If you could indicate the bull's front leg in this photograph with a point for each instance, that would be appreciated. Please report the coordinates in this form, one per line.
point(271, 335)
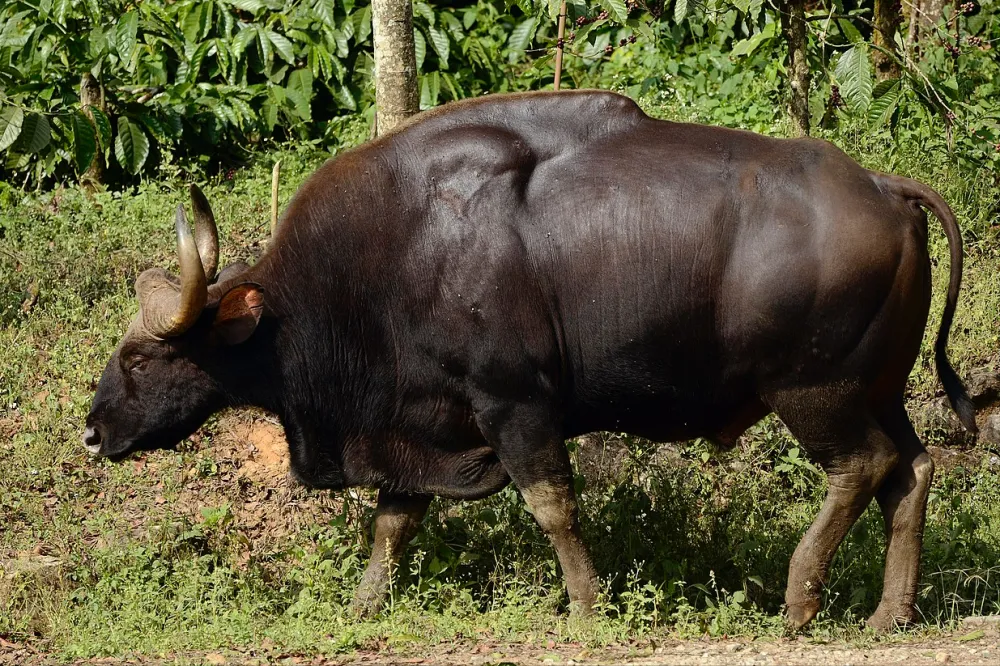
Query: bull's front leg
point(554, 507)
point(535, 456)
point(397, 518)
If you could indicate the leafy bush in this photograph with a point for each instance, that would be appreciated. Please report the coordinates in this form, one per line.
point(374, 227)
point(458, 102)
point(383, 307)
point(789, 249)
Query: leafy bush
point(203, 79)
point(195, 76)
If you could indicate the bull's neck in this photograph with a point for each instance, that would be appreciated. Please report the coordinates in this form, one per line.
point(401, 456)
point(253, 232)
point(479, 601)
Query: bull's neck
point(326, 364)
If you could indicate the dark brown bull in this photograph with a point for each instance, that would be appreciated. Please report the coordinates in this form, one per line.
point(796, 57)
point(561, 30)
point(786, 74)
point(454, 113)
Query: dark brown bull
point(440, 309)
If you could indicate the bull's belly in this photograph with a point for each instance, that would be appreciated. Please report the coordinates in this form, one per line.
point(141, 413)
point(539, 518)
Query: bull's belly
point(721, 420)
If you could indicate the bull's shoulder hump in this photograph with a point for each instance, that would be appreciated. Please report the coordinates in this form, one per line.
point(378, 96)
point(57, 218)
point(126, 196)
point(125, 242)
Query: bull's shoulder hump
point(572, 106)
point(544, 120)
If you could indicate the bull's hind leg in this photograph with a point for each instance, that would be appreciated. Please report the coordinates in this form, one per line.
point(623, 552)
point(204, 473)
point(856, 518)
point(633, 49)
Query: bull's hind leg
point(397, 518)
point(857, 455)
point(535, 456)
point(903, 500)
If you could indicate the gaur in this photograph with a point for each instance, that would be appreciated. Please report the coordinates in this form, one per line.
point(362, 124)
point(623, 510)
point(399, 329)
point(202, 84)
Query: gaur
point(439, 309)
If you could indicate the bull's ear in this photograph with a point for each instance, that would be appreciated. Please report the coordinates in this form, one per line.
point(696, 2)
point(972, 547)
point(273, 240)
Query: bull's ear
point(239, 313)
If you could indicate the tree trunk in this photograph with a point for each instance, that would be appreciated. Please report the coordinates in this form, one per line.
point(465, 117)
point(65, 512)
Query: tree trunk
point(92, 95)
point(793, 28)
point(396, 95)
point(923, 15)
point(887, 21)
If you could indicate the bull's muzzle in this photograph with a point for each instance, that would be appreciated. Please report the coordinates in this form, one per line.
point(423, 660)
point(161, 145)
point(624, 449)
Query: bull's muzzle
point(93, 439)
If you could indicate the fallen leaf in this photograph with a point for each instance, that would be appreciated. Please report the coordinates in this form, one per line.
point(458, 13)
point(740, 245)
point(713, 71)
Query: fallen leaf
point(972, 636)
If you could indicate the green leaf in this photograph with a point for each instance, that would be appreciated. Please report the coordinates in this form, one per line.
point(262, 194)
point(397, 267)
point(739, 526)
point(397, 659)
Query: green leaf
point(251, 6)
point(197, 57)
point(849, 31)
point(886, 100)
point(525, 6)
point(430, 89)
point(244, 110)
point(882, 87)
point(470, 17)
point(520, 37)
point(855, 77)
point(84, 140)
point(419, 47)
point(301, 80)
point(125, 35)
point(363, 25)
point(241, 41)
point(554, 6)
point(265, 46)
point(747, 46)
point(196, 22)
point(282, 46)
point(221, 56)
point(103, 126)
point(226, 115)
point(642, 28)
point(10, 125)
point(171, 123)
point(270, 115)
point(35, 134)
point(680, 10)
point(301, 103)
point(60, 9)
point(343, 48)
point(424, 10)
point(439, 40)
point(154, 126)
point(454, 26)
point(131, 146)
point(345, 97)
point(616, 8)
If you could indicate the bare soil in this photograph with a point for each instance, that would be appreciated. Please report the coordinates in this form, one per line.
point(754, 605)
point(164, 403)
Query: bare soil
point(977, 643)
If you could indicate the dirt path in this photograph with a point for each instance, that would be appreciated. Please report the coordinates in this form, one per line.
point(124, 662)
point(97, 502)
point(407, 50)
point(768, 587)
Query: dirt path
point(976, 644)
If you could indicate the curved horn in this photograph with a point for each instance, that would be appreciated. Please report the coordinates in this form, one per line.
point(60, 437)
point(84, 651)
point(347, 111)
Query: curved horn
point(205, 232)
point(173, 313)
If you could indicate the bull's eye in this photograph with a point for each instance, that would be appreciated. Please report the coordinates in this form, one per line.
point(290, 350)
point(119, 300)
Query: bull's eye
point(136, 363)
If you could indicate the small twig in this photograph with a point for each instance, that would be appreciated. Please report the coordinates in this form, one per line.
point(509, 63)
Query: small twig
point(560, 36)
point(852, 17)
point(274, 196)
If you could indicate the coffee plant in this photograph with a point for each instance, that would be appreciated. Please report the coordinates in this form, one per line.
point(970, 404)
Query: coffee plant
point(204, 79)
point(198, 83)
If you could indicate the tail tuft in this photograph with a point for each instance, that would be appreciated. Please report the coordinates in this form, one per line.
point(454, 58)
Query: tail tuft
point(957, 395)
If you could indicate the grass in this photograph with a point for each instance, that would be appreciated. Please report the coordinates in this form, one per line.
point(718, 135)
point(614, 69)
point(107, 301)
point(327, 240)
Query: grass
point(179, 551)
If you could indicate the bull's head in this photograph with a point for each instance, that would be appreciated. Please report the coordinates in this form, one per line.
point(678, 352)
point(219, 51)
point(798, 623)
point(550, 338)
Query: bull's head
point(168, 374)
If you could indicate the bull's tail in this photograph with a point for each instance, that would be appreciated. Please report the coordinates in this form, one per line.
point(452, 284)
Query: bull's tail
point(953, 386)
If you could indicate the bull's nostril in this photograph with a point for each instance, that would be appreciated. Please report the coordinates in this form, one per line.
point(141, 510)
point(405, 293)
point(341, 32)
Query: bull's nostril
point(92, 440)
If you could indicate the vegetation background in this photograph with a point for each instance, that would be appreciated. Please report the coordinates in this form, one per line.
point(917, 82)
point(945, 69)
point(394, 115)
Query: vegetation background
point(108, 109)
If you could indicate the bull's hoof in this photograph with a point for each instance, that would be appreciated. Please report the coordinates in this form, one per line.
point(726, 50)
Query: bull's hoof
point(581, 610)
point(365, 607)
point(886, 618)
point(801, 613)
